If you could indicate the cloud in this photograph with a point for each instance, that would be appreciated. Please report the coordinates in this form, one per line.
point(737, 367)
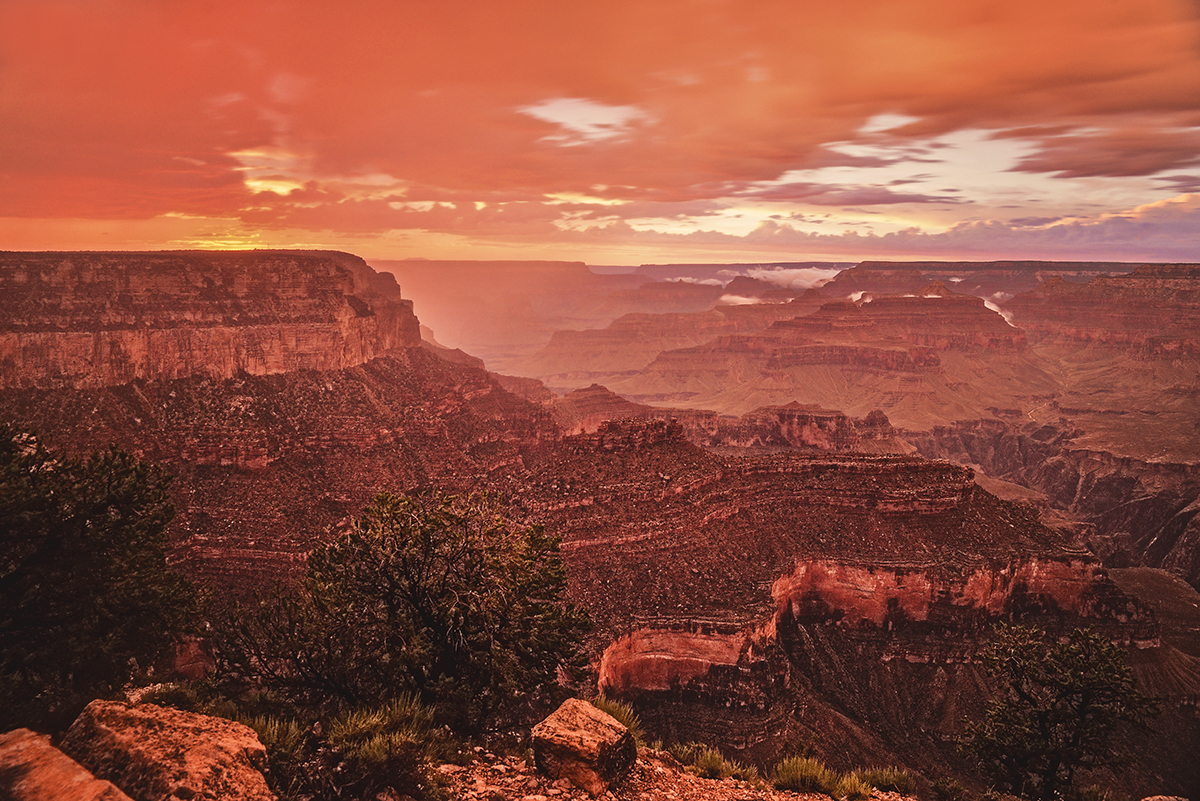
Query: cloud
point(834, 195)
point(584, 121)
point(295, 115)
point(1123, 151)
point(794, 278)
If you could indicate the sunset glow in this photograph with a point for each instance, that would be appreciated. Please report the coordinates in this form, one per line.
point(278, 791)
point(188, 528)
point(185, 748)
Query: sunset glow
point(619, 132)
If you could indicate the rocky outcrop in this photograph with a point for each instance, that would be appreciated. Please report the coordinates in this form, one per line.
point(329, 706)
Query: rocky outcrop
point(994, 280)
point(87, 320)
point(31, 769)
point(584, 745)
point(921, 360)
point(748, 600)
point(1153, 312)
point(155, 752)
point(265, 465)
point(1144, 512)
point(791, 426)
point(573, 359)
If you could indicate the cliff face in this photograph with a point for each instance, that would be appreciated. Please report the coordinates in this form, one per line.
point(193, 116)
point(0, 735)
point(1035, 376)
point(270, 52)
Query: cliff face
point(756, 601)
point(921, 360)
point(1154, 311)
point(104, 319)
point(1143, 512)
point(282, 389)
point(573, 359)
point(770, 427)
point(739, 600)
point(997, 280)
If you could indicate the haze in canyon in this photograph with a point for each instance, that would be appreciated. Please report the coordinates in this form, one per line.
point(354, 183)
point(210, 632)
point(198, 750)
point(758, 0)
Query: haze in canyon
point(826, 338)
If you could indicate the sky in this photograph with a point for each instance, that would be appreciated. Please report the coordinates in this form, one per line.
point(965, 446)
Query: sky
point(607, 131)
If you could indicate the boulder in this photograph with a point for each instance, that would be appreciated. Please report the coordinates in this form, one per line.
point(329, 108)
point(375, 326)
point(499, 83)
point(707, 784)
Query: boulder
point(33, 770)
point(154, 753)
point(589, 748)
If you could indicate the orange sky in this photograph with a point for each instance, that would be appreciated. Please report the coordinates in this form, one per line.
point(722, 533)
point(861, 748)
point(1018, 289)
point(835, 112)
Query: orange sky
point(610, 131)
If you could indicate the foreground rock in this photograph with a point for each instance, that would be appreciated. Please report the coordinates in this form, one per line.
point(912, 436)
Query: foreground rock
point(655, 775)
point(585, 746)
point(155, 753)
point(33, 770)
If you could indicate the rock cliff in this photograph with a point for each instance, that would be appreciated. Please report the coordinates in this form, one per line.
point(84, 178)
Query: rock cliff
point(87, 320)
point(573, 359)
point(1154, 311)
point(269, 447)
point(793, 425)
point(995, 280)
point(755, 600)
point(1143, 512)
point(745, 600)
point(921, 360)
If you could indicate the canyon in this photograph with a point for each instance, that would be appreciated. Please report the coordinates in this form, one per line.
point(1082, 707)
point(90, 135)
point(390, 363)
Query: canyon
point(820, 568)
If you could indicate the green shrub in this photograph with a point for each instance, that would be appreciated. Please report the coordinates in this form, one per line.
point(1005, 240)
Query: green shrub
point(891, 780)
point(709, 764)
point(86, 598)
point(387, 746)
point(435, 595)
point(851, 788)
point(624, 714)
point(804, 775)
point(945, 789)
point(747, 773)
point(282, 737)
point(685, 752)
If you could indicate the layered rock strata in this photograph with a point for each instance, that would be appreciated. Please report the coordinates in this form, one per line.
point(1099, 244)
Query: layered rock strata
point(772, 427)
point(88, 320)
point(1153, 311)
point(921, 360)
point(742, 600)
point(752, 601)
point(573, 359)
point(994, 280)
point(267, 458)
point(1144, 512)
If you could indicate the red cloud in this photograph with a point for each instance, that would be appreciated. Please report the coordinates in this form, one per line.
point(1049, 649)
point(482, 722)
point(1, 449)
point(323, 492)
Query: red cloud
point(129, 109)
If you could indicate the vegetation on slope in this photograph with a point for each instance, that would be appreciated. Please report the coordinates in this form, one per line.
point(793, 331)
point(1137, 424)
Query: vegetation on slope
point(87, 603)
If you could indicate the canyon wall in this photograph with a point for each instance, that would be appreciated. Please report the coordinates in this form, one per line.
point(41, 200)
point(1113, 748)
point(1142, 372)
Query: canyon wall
point(87, 320)
point(1153, 311)
point(791, 426)
point(1143, 512)
point(752, 601)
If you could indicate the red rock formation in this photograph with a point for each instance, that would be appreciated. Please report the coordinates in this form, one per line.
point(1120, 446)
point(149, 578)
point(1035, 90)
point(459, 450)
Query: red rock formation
point(1144, 512)
point(31, 769)
point(104, 319)
point(585, 746)
point(921, 360)
point(791, 426)
point(1153, 311)
point(678, 549)
point(997, 280)
point(573, 359)
point(154, 752)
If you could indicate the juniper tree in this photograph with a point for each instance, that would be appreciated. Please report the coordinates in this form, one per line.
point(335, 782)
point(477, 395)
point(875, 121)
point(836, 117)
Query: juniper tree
point(1056, 708)
point(432, 595)
point(86, 599)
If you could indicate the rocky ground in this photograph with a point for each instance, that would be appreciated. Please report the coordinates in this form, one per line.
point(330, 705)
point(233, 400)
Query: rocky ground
point(655, 775)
